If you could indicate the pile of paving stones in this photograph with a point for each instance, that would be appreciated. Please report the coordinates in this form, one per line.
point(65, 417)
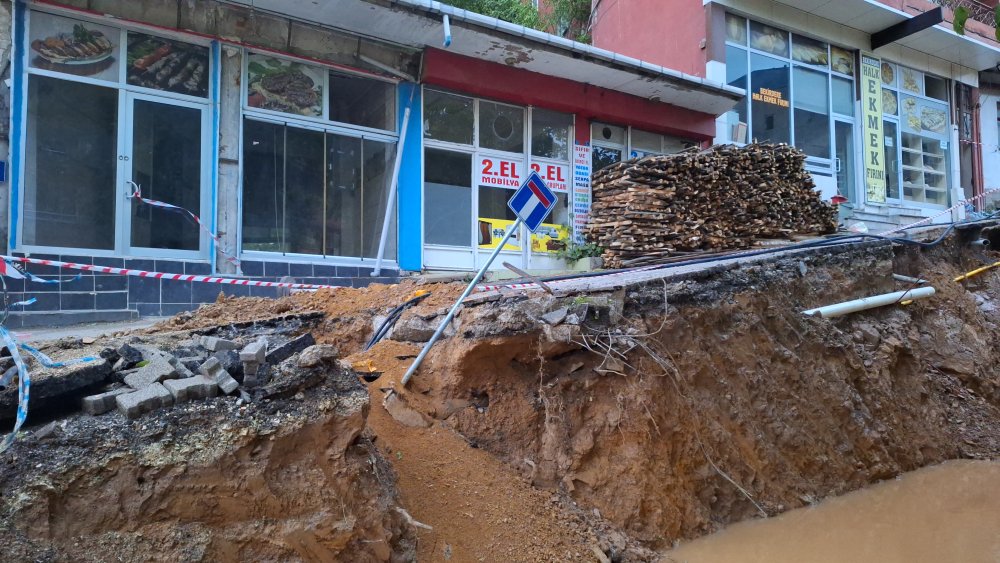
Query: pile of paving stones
point(147, 377)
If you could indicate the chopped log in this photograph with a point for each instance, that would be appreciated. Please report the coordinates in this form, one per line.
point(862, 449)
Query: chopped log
point(720, 198)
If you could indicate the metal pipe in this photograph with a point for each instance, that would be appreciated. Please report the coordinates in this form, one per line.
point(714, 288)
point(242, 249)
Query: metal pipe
point(840, 309)
point(472, 285)
point(980, 242)
point(908, 279)
point(393, 188)
point(447, 30)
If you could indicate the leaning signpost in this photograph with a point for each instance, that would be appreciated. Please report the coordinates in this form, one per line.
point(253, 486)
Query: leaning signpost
point(532, 203)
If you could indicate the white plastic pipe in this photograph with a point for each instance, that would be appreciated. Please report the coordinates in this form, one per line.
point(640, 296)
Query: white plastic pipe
point(846, 307)
point(446, 21)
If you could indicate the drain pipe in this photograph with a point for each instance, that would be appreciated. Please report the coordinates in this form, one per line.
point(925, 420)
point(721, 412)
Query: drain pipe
point(908, 279)
point(980, 242)
point(872, 302)
point(447, 31)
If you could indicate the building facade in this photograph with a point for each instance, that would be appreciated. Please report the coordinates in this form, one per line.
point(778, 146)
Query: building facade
point(882, 96)
point(327, 142)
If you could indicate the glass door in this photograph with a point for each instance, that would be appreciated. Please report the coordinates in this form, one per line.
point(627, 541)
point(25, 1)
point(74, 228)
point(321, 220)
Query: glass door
point(843, 147)
point(166, 157)
point(498, 177)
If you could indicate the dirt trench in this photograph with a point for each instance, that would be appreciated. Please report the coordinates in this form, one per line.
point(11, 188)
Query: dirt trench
point(725, 403)
point(293, 479)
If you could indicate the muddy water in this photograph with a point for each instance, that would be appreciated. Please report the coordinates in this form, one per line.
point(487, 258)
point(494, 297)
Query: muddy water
point(948, 512)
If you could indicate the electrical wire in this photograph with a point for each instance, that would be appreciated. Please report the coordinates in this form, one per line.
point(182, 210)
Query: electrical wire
point(394, 316)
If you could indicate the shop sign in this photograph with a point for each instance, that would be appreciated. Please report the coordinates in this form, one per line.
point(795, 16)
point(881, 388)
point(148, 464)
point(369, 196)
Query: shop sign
point(874, 152)
point(556, 176)
point(500, 172)
point(581, 190)
point(769, 96)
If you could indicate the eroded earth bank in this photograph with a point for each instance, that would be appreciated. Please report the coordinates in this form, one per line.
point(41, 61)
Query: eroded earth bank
point(588, 426)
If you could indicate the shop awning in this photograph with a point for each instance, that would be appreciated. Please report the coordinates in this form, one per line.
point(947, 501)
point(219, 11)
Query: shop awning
point(871, 16)
point(418, 23)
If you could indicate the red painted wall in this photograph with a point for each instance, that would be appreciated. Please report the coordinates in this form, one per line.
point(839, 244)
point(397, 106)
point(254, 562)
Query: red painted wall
point(517, 86)
point(664, 32)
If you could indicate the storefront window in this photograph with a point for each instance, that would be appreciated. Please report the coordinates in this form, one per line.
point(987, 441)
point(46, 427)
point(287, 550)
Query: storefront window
point(313, 192)
point(551, 134)
point(362, 101)
point(795, 86)
point(644, 143)
point(448, 117)
point(447, 197)
point(918, 173)
point(736, 75)
point(843, 96)
point(68, 200)
point(501, 127)
point(770, 106)
point(88, 146)
point(812, 114)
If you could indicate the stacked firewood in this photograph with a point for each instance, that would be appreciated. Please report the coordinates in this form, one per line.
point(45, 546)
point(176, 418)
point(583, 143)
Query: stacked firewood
point(720, 198)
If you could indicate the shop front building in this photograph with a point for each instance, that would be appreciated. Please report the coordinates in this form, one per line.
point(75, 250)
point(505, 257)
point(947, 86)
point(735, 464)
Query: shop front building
point(878, 113)
point(267, 142)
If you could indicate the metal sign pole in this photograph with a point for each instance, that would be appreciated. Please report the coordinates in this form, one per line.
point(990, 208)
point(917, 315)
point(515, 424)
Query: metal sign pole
point(447, 319)
point(393, 188)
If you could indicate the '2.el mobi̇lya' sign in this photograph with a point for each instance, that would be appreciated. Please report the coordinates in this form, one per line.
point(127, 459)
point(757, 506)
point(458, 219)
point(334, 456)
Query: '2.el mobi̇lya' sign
point(871, 104)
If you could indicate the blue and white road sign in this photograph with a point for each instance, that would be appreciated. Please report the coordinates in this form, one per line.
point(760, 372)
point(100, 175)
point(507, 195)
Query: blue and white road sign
point(532, 202)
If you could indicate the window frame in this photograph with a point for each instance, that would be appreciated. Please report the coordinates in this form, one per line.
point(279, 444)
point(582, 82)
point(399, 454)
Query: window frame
point(323, 119)
point(122, 246)
point(821, 165)
point(896, 88)
point(476, 150)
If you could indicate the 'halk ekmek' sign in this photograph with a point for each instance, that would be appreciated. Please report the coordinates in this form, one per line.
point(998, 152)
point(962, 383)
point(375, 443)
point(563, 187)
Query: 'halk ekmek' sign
point(871, 105)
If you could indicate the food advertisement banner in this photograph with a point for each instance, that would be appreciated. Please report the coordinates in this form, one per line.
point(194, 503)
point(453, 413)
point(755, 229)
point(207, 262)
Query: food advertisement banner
point(924, 117)
point(871, 103)
point(285, 86)
point(556, 176)
point(581, 190)
point(491, 232)
point(74, 47)
point(162, 64)
point(549, 238)
point(500, 172)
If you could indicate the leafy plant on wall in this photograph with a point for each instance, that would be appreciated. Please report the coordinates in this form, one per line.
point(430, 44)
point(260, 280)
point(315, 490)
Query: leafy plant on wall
point(958, 23)
point(568, 18)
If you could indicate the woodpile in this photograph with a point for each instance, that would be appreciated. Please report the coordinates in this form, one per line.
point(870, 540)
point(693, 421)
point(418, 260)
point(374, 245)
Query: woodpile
point(720, 198)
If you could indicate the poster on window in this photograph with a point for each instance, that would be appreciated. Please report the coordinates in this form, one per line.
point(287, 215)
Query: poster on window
point(871, 102)
point(73, 47)
point(555, 176)
point(286, 86)
point(550, 238)
point(162, 64)
point(491, 232)
point(581, 190)
point(500, 172)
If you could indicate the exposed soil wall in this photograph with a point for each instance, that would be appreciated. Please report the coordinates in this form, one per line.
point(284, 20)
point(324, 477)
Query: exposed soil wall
point(287, 479)
point(728, 386)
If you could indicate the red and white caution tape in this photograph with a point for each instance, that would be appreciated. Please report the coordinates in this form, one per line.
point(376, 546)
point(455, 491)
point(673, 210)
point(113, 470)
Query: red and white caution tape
point(160, 275)
point(945, 212)
point(137, 194)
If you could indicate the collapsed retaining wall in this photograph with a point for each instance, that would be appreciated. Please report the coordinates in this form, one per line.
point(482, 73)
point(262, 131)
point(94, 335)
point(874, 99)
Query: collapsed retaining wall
point(679, 406)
